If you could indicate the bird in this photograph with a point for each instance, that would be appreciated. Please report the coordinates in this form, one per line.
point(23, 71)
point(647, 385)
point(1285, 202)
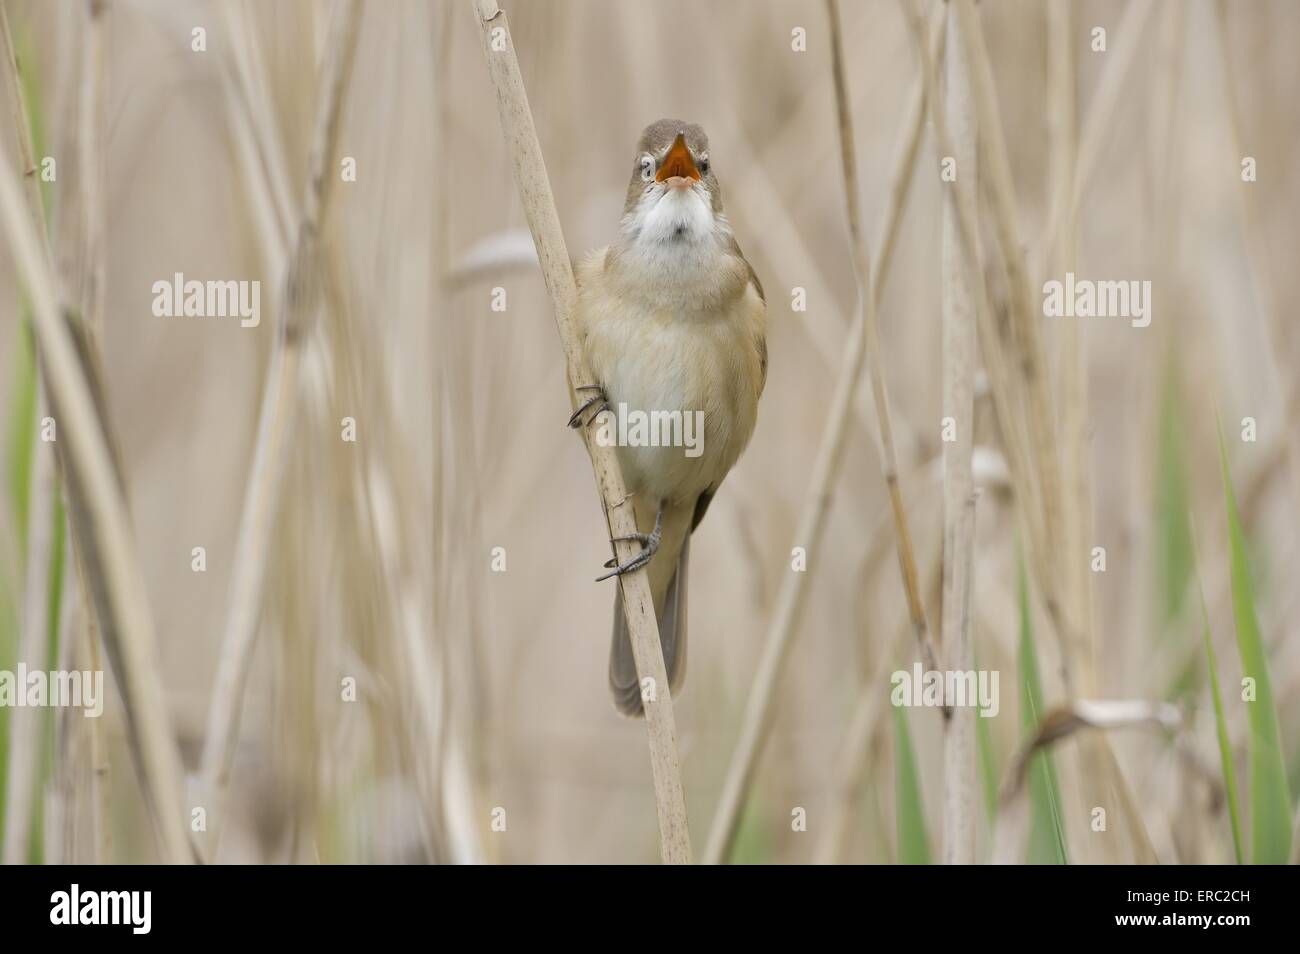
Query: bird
point(671, 318)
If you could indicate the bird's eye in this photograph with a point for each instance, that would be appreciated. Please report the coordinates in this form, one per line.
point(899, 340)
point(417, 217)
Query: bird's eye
point(647, 167)
point(703, 164)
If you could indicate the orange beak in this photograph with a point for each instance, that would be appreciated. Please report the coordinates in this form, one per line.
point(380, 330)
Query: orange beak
point(678, 162)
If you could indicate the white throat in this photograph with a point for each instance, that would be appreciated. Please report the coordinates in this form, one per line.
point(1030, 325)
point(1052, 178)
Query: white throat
point(673, 245)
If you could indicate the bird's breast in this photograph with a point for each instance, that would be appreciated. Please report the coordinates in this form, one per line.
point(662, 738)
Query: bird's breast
point(681, 385)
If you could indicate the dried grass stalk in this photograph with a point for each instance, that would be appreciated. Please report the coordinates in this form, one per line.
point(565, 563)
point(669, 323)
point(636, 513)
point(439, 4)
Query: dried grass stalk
point(93, 195)
point(959, 357)
point(96, 506)
point(870, 705)
point(760, 707)
point(544, 222)
point(301, 302)
point(1010, 378)
point(1030, 348)
point(868, 302)
point(1095, 134)
point(1281, 336)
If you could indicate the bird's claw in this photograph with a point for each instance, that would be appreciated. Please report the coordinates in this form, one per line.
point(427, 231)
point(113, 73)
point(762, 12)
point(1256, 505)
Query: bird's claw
point(598, 398)
point(648, 540)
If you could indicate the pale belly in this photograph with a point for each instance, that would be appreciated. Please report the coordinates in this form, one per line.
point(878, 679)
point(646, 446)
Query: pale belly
point(683, 392)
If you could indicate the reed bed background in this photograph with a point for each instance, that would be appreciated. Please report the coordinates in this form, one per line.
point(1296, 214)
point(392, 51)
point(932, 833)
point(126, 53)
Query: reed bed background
point(444, 559)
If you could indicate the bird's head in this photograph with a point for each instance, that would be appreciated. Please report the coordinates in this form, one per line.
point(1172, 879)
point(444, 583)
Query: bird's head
point(673, 198)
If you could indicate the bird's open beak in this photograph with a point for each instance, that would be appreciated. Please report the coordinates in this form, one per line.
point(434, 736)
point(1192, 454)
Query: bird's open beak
point(678, 165)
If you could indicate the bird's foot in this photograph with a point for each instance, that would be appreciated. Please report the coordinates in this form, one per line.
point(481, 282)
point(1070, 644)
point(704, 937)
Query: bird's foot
point(598, 398)
point(650, 541)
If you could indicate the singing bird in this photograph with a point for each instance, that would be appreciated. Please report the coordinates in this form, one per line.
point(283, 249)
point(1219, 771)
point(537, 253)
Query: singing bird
point(673, 319)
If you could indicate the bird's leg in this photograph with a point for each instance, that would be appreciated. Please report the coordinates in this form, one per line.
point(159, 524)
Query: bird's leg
point(597, 398)
point(649, 540)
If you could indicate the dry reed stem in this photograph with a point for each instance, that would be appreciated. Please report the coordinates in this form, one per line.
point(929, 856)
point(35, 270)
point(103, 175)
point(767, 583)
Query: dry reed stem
point(93, 123)
point(116, 580)
point(385, 566)
point(302, 295)
point(1027, 460)
point(844, 118)
point(273, 235)
point(1100, 769)
point(82, 260)
point(959, 357)
point(61, 804)
point(1071, 356)
point(760, 707)
point(369, 572)
point(101, 766)
point(93, 193)
point(544, 222)
point(96, 507)
point(1005, 373)
point(868, 300)
point(1094, 135)
point(959, 755)
point(996, 362)
point(80, 223)
point(1061, 255)
point(459, 776)
point(903, 173)
point(1281, 338)
point(1031, 354)
point(256, 102)
point(1021, 454)
point(1071, 368)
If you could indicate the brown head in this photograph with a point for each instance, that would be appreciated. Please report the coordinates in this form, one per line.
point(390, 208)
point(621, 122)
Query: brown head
point(675, 246)
point(672, 155)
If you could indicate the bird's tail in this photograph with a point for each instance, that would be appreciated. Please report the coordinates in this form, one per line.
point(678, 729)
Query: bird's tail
point(623, 683)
